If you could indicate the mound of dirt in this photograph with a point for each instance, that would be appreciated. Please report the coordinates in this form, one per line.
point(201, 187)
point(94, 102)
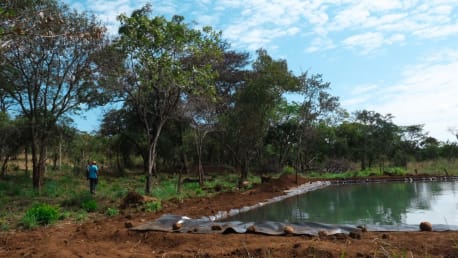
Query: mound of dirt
point(133, 199)
point(284, 182)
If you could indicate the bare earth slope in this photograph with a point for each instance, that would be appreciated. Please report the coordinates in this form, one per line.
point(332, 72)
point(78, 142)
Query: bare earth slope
point(109, 237)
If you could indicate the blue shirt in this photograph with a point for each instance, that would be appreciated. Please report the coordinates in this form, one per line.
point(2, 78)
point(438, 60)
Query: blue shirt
point(93, 171)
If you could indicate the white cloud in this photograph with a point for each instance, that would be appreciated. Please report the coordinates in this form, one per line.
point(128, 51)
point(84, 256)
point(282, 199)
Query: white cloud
point(426, 94)
point(377, 21)
point(368, 41)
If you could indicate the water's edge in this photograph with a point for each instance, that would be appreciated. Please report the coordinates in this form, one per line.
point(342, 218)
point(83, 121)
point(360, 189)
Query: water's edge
point(301, 189)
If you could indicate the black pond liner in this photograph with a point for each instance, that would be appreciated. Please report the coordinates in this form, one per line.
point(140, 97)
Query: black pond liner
point(212, 224)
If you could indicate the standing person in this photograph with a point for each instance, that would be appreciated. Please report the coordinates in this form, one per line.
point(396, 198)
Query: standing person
point(93, 176)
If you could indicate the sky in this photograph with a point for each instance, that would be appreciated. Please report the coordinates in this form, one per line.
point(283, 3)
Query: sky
point(396, 57)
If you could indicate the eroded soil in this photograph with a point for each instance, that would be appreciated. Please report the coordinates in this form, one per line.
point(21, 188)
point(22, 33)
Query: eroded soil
point(108, 236)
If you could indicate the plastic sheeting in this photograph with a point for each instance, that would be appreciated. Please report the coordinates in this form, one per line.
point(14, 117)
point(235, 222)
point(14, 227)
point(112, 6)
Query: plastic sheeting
point(182, 224)
point(176, 223)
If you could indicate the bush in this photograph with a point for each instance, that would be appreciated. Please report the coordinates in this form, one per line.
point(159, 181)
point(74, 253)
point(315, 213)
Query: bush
point(89, 205)
point(40, 214)
point(112, 212)
point(152, 206)
point(288, 170)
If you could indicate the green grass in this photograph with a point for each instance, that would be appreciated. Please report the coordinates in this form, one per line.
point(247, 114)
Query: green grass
point(110, 212)
point(70, 194)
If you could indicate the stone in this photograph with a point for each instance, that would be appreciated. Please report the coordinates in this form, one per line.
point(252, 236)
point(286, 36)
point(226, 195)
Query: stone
point(177, 225)
point(288, 230)
point(426, 226)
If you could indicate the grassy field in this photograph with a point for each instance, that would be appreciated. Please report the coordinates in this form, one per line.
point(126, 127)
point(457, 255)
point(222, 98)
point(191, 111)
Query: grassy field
point(69, 195)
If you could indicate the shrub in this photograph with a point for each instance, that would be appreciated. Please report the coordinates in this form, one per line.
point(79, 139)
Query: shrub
point(152, 206)
point(112, 212)
point(40, 214)
point(288, 170)
point(89, 205)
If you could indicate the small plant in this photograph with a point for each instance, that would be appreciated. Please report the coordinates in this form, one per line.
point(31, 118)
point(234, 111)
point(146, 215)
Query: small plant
point(152, 206)
point(112, 212)
point(288, 170)
point(40, 214)
point(199, 192)
point(89, 205)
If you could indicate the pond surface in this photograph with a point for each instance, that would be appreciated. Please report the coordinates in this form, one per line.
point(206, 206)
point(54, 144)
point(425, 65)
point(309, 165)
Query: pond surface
point(395, 204)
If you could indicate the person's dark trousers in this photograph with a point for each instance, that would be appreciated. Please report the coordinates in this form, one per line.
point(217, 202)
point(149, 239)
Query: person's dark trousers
point(92, 184)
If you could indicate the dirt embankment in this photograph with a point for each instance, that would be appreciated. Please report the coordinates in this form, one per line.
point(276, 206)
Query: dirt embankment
point(109, 237)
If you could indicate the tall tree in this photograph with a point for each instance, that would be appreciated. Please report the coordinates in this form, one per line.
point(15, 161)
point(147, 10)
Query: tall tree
point(379, 136)
point(248, 123)
point(52, 72)
point(157, 76)
point(317, 107)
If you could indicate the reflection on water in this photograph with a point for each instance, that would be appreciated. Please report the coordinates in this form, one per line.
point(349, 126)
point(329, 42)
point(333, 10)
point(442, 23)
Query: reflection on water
point(370, 204)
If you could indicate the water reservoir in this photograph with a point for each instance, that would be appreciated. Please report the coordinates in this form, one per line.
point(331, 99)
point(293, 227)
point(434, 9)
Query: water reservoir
point(395, 205)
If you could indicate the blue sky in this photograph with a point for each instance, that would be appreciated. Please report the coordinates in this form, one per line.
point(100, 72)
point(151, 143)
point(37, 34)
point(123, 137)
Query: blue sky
point(389, 56)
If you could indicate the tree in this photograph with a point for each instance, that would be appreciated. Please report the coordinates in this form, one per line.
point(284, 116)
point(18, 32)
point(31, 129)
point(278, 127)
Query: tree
point(379, 136)
point(317, 107)
point(157, 77)
point(248, 122)
point(52, 72)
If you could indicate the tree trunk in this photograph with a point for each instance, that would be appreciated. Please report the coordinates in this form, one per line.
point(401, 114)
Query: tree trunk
point(4, 166)
point(184, 167)
point(149, 173)
point(26, 154)
point(200, 169)
point(60, 154)
point(152, 155)
point(244, 172)
point(38, 162)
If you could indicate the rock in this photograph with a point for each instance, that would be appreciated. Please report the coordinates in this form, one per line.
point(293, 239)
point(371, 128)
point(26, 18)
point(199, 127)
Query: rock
point(288, 230)
point(426, 226)
point(177, 225)
point(251, 229)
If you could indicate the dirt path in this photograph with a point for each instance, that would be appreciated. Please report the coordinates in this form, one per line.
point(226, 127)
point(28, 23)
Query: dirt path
point(109, 237)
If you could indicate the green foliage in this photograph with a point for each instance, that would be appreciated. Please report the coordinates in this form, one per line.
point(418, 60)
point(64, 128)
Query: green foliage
point(288, 170)
point(89, 205)
point(152, 206)
point(166, 189)
point(40, 214)
point(111, 212)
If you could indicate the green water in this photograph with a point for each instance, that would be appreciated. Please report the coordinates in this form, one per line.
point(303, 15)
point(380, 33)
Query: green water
point(366, 204)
